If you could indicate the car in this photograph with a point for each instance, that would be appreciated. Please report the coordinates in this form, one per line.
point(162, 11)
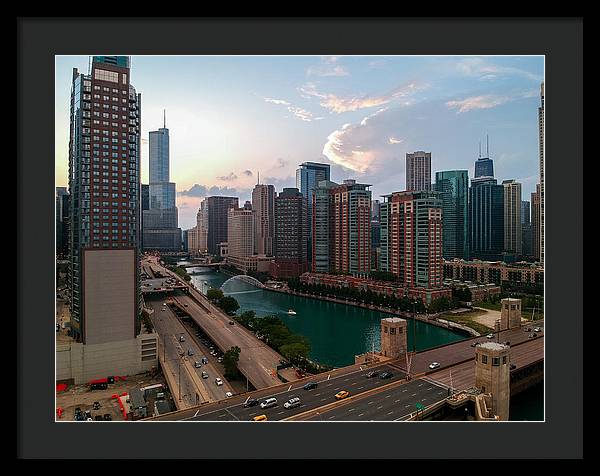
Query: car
point(269, 402)
point(434, 365)
point(204, 375)
point(537, 329)
point(197, 364)
point(251, 402)
point(190, 352)
point(204, 360)
point(181, 338)
point(163, 309)
point(310, 385)
point(231, 323)
point(220, 359)
point(107, 417)
point(89, 419)
point(341, 395)
point(218, 381)
point(96, 405)
point(513, 366)
point(474, 344)
point(490, 336)
point(292, 403)
point(185, 305)
point(372, 373)
point(228, 394)
point(386, 375)
point(527, 329)
point(507, 342)
point(531, 336)
point(260, 418)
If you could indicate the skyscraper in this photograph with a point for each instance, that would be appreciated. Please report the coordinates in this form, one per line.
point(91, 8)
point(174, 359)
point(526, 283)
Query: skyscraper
point(512, 220)
point(62, 222)
point(342, 227)
point(307, 177)
point(263, 203)
point(484, 166)
point(289, 246)
point(161, 231)
point(217, 208)
point(453, 189)
point(240, 235)
point(486, 219)
point(535, 222)
point(104, 183)
point(526, 229)
point(202, 226)
point(418, 171)
point(411, 238)
point(541, 129)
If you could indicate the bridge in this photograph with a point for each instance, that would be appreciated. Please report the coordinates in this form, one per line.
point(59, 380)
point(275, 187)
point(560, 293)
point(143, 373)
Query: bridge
point(246, 279)
point(412, 387)
point(201, 265)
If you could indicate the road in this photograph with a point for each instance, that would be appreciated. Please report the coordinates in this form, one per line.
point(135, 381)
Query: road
point(170, 329)
point(354, 382)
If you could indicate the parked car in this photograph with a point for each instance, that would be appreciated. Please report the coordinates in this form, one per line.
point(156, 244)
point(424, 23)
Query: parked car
point(204, 360)
point(197, 364)
point(292, 403)
point(386, 375)
point(372, 373)
point(310, 385)
point(228, 394)
point(434, 365)
point(269, 402)
point(190, 352)
point(341, 395)
point(218, 381)
point(251, 402)
point(204, 375)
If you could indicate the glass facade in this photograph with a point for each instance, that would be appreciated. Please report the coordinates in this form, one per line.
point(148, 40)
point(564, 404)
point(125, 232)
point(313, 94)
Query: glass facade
point(453, 188)
point(486, 219)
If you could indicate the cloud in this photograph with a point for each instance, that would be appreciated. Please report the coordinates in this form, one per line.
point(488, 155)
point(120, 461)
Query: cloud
point(247, 173)
point(337, 104)
point(228, 178)
point(486, 101)
point(281, 163)
point(393, 140)
point(205, 191)
point(298, 112)
point(329, 67)
point(481, 69)
point(277, 101)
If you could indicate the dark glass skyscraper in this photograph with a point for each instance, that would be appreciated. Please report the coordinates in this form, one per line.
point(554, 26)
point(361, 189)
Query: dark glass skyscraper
point(217, 220)
point(289, 245)
point(486, 219)
point(453, 188)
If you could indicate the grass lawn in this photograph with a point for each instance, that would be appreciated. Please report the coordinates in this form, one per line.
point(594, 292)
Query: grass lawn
point(466, 318)
point(525, 313)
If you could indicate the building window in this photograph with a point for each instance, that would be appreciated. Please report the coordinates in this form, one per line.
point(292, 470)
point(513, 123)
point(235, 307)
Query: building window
point(104, 75)
point(484, 359)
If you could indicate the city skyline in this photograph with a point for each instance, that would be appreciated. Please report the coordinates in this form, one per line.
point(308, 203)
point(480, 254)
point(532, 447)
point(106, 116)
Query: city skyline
point(231, 117)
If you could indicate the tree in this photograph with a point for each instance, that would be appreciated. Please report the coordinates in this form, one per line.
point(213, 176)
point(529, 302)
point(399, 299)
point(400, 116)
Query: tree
point(228, 304)
point(296, 352)
point(230, 361)
point(214, 295)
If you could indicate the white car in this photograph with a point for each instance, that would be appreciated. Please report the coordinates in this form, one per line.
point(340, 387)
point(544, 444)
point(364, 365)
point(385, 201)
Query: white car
point(434, 365)
point(269, 402)
point(292, 403)
point(218, 381)
point(490, 336)
point(228, 394)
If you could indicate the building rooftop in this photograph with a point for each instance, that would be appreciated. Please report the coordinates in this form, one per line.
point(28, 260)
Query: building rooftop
point(493, 346)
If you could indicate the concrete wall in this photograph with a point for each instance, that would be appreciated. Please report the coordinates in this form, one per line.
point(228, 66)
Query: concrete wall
point(84, 362)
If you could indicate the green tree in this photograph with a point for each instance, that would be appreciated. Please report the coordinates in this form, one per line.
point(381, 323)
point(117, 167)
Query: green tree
point(228, 304)
point(295, 352)
point(214, 295)
point(230, 361)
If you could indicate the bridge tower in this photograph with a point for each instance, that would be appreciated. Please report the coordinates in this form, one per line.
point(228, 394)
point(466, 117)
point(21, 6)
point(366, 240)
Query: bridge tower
point(393, 337)
point(492, 375)
point(510, 315)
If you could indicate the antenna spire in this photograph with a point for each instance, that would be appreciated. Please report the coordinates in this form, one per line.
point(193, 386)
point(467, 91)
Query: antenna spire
point(258, 180)
point(487, 141)
point(480, 149)
point(165, 118)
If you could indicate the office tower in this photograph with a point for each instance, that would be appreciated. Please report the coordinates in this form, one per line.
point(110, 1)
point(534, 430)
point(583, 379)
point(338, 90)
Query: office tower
point(375, 209)
point(535, 222)
point(161, 231)
point(191, 241)
point(263, 203)
point(541, 135)
point(145, 196)
point(217, 208)
point(486, 219)
point(62, 222)
point(418, 171)
point(247, 205)
point(411, 238)
point(484, 166)
point(453, 189)
point(104, 183)
point(289, 245)
point(375, 233)
point(307, 177)
point(526, 229)
point(512, 220)
point(202, 227)
point(342, 227)
point(240, 232)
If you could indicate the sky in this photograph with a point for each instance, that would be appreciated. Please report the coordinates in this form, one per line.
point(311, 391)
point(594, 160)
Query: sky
point(231, 118)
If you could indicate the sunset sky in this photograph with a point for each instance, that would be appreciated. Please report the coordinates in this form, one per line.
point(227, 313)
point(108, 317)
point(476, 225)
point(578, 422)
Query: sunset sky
point(232, 117)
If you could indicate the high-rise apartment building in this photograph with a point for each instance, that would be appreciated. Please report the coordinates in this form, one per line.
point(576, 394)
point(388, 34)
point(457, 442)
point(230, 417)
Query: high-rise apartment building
point(513, 236)
point(541, 134)
point(217, 208)
point(263, 204)
point(526, 236)
point(411, 238)
point(62, 222)
point(418, 171)
point(308, 175)
point(536, 228)
point(104, 183)
point(202, 227)
point(161, 231)
point(342, 227)
point(486, 219)
point(453, 189)
point(289, 246)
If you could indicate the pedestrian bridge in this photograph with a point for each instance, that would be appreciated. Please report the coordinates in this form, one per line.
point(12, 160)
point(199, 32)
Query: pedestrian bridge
point(246, 279)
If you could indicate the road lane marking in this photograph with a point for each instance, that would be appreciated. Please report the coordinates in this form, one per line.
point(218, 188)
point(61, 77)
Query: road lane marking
point(333, 416)
point(360, 414)
point(390, 413)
